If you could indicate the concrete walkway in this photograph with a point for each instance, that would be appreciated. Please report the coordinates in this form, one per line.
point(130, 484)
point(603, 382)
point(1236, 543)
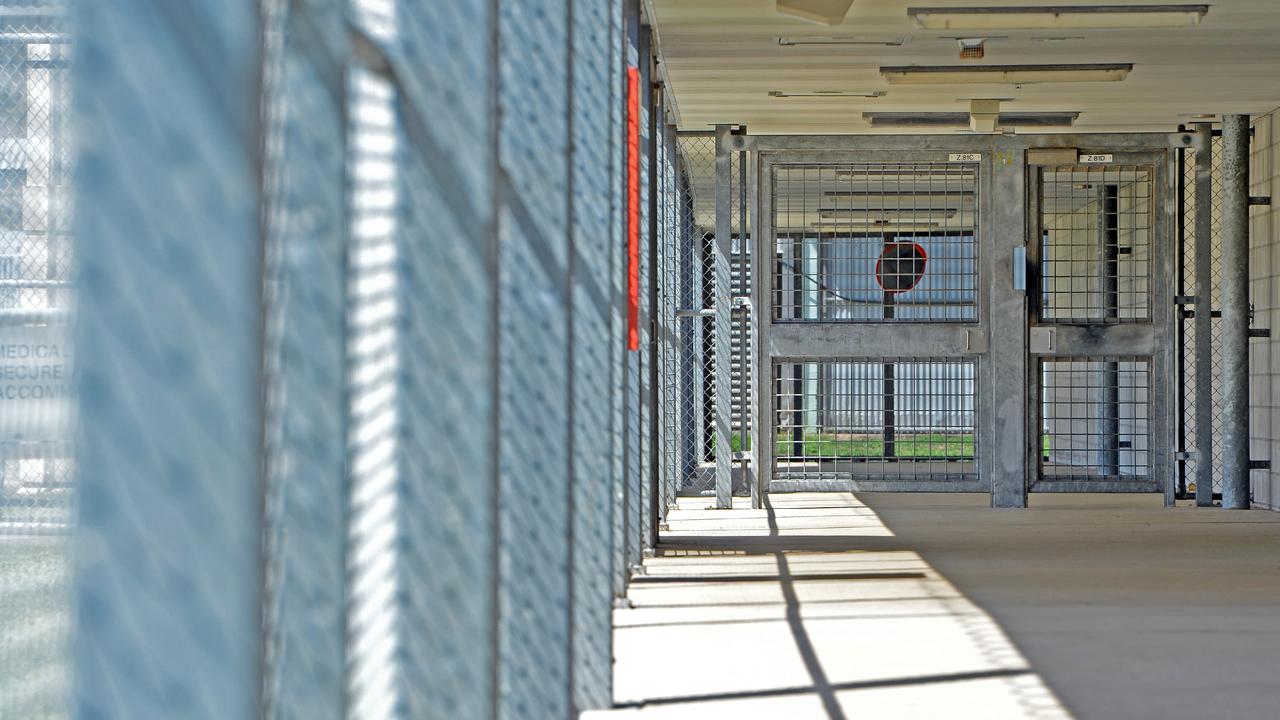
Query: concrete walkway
point(826, 607)
point(1126, 608)
point(811, 609)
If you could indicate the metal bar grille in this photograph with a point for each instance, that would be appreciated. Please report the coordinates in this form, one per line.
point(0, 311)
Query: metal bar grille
point(1096, 226)
point(1096, 419)
point(855, 240)
point(876, 420)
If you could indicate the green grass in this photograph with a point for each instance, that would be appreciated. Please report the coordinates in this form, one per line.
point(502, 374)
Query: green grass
point(940, 446)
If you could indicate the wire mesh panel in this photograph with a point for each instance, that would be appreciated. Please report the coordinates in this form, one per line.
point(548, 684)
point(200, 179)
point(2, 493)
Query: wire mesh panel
point(878, 242)
point(37, 470)
point(1097, 225)
point(879, 420)
point(1096, 419)
point(1189, 337)
point(689, 258)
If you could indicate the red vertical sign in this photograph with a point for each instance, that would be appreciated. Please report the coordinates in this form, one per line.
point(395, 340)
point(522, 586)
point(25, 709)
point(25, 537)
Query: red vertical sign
point(633, 208)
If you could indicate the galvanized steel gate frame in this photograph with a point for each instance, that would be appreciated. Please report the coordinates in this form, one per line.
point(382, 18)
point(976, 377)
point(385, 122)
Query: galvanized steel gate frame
point(1000, 341)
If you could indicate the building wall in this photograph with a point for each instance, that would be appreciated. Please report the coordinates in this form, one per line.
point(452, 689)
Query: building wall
point(1264, 293)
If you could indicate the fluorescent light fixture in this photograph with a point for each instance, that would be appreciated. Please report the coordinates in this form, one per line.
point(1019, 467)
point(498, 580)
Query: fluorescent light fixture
point(837, 40)
point(873, 229)
point(888, 195)
point(890, 216)
point(1005, 74)
point(828, 94)
point(931, 175)
point(1053, 17)
point(829, 12)
point(961, 119)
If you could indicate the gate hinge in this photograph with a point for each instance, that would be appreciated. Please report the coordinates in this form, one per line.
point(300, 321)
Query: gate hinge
point(740, 455)
point(1259, 464)
point(1259, 199)
point(1184, 299)
point(1259, 332)
point(1184, 455)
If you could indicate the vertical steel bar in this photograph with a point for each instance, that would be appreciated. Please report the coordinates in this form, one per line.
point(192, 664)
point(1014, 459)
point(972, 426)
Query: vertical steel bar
point(1109, 210)
point(762, 278)
point(1235, 311)
point(754, 318)
point(723, 322)
point(743, 318)
point(1204, 316)
point(797, 369)
point(1162, 378)
point(656, 125)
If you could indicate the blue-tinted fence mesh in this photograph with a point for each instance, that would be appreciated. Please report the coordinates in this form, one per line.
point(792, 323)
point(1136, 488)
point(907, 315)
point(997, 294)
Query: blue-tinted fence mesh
point(304, 365)
point(37, 489)
point(365, 438)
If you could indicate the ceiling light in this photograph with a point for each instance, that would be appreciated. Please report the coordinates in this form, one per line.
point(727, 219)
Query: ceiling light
point(830, 12)
point(962, 119)
point(828, 94)
point(1005, 74)
point(1058, 16)
point(837, 40)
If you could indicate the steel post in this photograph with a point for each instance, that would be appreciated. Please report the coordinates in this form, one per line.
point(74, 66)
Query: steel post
point(723, 322)
point(1235, 311)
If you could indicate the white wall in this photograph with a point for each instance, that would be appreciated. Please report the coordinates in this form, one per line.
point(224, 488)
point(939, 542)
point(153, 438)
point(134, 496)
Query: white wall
point(1264, 293)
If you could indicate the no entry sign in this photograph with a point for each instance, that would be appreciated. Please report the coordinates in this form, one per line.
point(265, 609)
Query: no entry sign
point(901, 266)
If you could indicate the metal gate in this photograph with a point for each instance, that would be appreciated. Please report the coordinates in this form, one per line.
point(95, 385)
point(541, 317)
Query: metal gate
point(965, 314)
point(1103, 335)
point(874, 298)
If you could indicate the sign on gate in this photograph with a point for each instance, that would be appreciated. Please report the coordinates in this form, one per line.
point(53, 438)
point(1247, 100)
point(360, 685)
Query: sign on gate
point(35, 382)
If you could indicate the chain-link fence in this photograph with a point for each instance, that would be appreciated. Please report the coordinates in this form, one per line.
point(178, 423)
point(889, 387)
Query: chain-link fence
point(687, 303)
point(37, 489)
point(1187, 277)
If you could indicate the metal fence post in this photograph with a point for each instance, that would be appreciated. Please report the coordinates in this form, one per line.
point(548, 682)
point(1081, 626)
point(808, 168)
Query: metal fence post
point(1013, 456)
point(1235, 311)
point(723, 322)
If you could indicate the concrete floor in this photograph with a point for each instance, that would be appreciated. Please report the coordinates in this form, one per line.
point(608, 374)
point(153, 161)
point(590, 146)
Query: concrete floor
point(936, 606)
point(1126, 608)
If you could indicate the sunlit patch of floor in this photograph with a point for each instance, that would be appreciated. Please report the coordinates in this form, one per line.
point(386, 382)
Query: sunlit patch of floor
point(808, 609)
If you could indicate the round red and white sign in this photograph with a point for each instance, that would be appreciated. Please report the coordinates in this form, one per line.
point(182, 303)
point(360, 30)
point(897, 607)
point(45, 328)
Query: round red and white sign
point(901, 266)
